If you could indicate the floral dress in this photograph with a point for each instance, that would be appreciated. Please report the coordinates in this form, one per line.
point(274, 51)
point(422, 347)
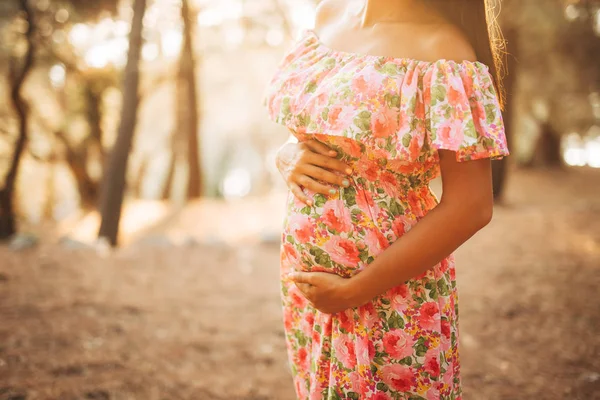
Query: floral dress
point(386, 117)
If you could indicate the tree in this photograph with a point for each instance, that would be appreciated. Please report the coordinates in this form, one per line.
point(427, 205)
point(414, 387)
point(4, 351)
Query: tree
point(500, 167)
point(18, 77)
point(188, 108)
point(113, 188)
point(184, 142)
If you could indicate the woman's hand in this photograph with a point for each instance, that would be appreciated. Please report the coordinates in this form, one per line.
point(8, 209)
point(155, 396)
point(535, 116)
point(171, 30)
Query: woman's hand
point(328, 293)
point(302, 164)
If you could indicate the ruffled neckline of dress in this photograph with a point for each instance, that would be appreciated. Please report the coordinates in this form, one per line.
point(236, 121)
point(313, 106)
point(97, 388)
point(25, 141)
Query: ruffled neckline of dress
point(399, 108)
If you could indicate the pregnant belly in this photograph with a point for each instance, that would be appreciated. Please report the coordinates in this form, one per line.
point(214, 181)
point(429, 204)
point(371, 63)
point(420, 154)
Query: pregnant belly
point(337, 234)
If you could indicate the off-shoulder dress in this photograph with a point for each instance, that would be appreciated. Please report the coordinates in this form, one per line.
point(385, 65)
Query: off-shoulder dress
point(386, 117)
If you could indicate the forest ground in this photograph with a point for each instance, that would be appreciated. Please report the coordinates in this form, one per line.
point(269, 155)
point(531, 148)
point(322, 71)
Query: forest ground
point(200, 319)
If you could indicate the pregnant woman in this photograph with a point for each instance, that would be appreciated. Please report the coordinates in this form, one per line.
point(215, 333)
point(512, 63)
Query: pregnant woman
point(383, 96)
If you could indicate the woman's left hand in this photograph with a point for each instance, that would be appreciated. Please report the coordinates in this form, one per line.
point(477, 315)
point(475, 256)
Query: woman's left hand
point(328, 293)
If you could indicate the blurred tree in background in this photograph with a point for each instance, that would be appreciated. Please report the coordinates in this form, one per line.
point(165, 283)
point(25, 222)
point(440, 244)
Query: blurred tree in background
point(203, 65)
point(113, 188)
point(19, 70)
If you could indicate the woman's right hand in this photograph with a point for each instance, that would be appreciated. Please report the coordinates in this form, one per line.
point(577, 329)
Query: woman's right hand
point(302, 164)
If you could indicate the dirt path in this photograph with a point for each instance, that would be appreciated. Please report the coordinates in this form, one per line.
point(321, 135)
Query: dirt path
point(203, 322)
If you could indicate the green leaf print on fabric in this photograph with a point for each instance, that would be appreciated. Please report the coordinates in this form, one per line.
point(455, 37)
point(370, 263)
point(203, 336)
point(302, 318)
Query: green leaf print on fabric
point(488, 143)
point(415, 397)
point(303, 120)
point(306, 210)
point(321, 257)
point(363, 121)
point(390, 69)
point(433, 294)
point(301, 338)
point(320, 200)
point(325, 114)
point(420, 347)
point(329, 63)
point(406, 361)
point(406, 140)
point(490, 111)
point(470, 129)
point(392, 100)
point(285, 108)
point(395, 321)
point(382, 386)
point(350, 196)
point(395, 208)
point(438, 94)
point(335, 395)
point(311, 87)
point(443, 287)
point(353, 396)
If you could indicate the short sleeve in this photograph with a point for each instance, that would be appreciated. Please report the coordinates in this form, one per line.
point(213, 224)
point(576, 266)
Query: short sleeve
point(463, 113)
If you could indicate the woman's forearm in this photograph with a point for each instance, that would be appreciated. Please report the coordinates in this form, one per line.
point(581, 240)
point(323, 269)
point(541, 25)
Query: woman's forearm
point(432, 239)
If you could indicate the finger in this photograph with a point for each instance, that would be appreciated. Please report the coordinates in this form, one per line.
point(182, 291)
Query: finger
point(324, 175)
point(308, 291)
point(321, 148)
point(305, 288)
point(302, 277)
point(327, 162)
point(314, 186)
point(300, 195)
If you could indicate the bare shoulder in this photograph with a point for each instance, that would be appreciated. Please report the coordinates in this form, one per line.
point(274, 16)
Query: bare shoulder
point(449, 43)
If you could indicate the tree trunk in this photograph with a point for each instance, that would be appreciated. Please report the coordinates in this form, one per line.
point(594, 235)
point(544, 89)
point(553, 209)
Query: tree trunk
point(547, 152)
point(7, 214)
point(139, 178)
point(86, 186)
point(94, 117)
point(166, 193)
point(187, 110)
point(113, 188)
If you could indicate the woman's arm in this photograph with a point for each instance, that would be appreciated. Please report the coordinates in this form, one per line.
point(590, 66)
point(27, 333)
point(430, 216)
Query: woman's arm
point(302, 164)
point(465, 207)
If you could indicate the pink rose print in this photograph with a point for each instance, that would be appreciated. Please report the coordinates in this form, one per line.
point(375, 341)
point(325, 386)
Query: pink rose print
point(432, 364)
point(336, 216)
point(398, 344)
point(344, 349)
point(342, 251)
point(384, 123)
point(399, 377)
point(301, 227)
point(429, 316)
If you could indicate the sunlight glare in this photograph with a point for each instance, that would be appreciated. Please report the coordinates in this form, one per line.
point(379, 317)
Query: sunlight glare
point(234, 35)
point(592, 147)
point(79, 35)
point(274, 37)
point(574, 152)
point(97, 56)
point(303, 15)
point(237, 183)
point(171, 43)
point(150, 51)
point(210, 17)
point(57, 75)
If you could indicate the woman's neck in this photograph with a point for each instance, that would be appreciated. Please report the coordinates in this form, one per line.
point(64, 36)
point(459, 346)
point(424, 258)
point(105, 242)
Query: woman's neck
point(386, 11)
